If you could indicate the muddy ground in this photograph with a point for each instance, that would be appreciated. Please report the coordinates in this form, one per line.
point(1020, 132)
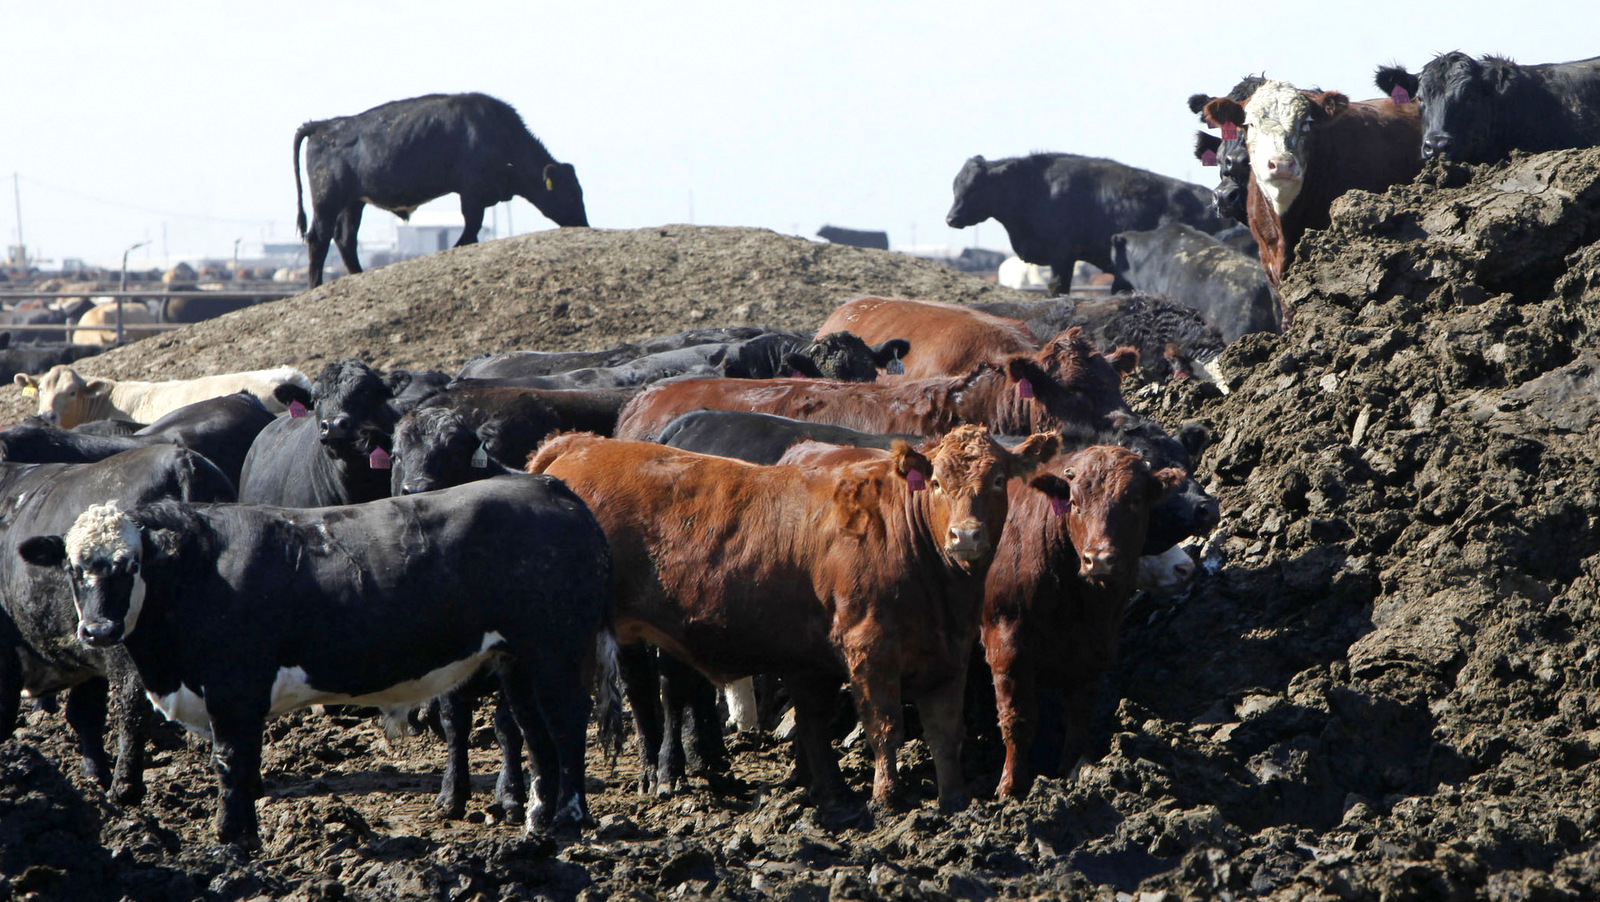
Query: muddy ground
point(1382, 686)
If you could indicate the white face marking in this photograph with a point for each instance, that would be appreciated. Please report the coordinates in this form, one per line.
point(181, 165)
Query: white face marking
point(1274, 117)
point(293, 689)
point(186, 707)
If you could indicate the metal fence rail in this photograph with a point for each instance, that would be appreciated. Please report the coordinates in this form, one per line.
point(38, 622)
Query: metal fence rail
point(8, 300)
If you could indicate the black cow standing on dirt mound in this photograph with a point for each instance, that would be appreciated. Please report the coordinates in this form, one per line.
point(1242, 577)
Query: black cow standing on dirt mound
point(1479, 110)
point(401, 155)
point(1059, 208)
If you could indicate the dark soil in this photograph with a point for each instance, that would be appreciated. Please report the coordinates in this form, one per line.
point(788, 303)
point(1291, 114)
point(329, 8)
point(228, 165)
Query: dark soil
point(1382, 686)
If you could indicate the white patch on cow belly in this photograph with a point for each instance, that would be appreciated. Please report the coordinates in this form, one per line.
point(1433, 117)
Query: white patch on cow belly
point(184, 706)
point(292, 689)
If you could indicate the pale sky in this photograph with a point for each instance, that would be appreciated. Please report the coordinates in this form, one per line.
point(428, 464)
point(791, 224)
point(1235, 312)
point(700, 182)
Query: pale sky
point(173, 122)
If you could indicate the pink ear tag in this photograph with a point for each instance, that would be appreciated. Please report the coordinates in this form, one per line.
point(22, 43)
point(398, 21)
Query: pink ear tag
point(1209, 158)
point(378, 459)
point(296, 410)
point(796, 374)
point(914, 480)
point(1230, 131)
point(1025, 389)
point(1400, 96)
point(1061, 506)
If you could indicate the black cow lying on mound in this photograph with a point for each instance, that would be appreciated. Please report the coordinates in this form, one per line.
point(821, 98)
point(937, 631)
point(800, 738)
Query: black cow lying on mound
point(401, 155)
point(37, 615)
point(1186, 265)
point(235, 613)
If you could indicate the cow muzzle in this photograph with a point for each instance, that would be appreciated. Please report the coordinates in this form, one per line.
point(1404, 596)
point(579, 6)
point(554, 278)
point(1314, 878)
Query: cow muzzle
point(1285, 168)
point(334, 429)
point(99, 633)
point(967, 542)
point(1436, 144)
point(1096, 563)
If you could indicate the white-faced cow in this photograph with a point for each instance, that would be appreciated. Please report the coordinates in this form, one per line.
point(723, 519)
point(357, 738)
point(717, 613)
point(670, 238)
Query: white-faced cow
point(233, 613)
point(401, 155)
point(1479, 110)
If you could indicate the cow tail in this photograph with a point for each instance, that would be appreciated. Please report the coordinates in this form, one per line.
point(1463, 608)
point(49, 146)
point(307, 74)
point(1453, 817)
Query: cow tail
point(608, 690)
point(300, 135)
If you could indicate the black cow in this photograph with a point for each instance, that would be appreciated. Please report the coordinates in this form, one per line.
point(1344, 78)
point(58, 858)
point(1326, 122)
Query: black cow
point(515, 364)
point(1171, 338)
point(39, 358)
point(249, 611)
point(222, 429)
point(401, 155)
point(36, 607)
point(338, 453)
point(199, 306)
point(1059, 208)
point(1198, 270)
point(1479, 110)
point(854, 237)
point(1230, 156)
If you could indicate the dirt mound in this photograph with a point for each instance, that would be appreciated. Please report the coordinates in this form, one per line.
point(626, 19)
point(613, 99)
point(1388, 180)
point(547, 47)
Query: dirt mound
point(1383, 684)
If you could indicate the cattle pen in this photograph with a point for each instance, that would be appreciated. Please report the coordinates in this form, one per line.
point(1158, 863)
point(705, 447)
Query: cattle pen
point(226, 301)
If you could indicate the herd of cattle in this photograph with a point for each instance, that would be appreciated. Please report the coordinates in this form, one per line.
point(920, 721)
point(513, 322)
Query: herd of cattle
point(918, 491)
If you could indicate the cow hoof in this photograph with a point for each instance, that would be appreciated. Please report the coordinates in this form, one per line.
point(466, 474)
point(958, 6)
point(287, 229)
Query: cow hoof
point(128, 794)
point(451, 809)
point(956, 801)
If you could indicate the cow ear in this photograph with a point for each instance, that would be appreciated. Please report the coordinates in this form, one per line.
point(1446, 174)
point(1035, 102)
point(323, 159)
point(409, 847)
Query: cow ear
point(1223, 110)
point(1389, 77)
point(1332, 105)
point(23, 380)
point(43, 551)
point(1205, 141)
point(1194, 437)
point(96, 387)
point(908, 460)
point(1124, 359)
point(1197, 102)
point(1033, 452)
point(287, 393)
point(160, 545)
point(889, 351)
point(556, 174)
point(796, 362)
point(1053, 485)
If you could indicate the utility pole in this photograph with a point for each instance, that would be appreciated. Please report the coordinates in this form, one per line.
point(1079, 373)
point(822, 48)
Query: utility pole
point(16, 193)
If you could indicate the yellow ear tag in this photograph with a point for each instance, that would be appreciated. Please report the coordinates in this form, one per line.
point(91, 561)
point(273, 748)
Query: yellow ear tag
point(549, 184)
point(29, 391)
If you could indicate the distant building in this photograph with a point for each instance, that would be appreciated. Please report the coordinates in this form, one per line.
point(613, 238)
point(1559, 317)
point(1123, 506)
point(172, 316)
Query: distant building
point(421, 240)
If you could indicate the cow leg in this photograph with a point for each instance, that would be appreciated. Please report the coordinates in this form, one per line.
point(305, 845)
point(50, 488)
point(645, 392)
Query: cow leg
point(638, 667)
point(562, 678)
point(516, 687)
point(10, 687)
point(86, 713)
point(471, 220)
point(1077, 712)
point(236, 757)
point(877, 696)
point(318, 237)
point(943, 728)
point(1061, 277)
point(1015, 706)
point(672, 693)
point(344, 235)
point(511, 789)
point(131, 713)
point(455, 721)
point(814, 700)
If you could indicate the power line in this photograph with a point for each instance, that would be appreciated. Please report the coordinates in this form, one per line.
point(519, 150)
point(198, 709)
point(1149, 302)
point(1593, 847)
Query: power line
point(143, 209)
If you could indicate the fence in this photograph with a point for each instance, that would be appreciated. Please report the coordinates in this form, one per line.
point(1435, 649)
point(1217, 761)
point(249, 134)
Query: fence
point(9, 299)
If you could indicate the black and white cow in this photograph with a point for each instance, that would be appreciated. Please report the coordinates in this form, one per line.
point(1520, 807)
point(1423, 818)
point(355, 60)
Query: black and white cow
point(1229, 155)
point(37, 616)
point(1196, 269)
point(337, 453)
point(1479, 110)
point(234, 613)
point(1059, 208)
point(222, 429)
point(402, 154)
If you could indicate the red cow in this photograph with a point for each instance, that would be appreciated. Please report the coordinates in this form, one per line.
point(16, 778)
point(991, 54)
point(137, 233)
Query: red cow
point(946, 339)
point(1308, 148)
point(817, 574)
point(1068, 382)
point(1053, 604)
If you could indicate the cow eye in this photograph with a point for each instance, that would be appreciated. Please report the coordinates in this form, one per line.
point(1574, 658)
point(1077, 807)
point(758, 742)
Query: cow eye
point(133, 567)
point(1000, 483)
point(934, 482)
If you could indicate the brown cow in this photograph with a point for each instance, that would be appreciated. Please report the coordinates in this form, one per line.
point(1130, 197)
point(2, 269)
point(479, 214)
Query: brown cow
point(869, 572)
point(1308, 148)
point(1067, 379)
point(1055, 595)
point(946, 339)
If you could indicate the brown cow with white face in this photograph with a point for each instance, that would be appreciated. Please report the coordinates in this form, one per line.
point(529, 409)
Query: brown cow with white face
point(868, 572)
point(1055, 596)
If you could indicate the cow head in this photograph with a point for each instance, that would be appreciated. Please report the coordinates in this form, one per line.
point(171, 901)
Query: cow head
point(970, 206)
point(844, 356)
point(1456, 98)
point(435, 449)
point(1233, 161)
point(1282, 122)
point(1112, 491)
point(561, 199)
point(354, 408)
point(1070, 381)
point(65, 398)
point(101, 555)
point(958, 484)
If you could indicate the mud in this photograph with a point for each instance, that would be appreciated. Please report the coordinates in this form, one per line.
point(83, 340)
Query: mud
point(1382, 686)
